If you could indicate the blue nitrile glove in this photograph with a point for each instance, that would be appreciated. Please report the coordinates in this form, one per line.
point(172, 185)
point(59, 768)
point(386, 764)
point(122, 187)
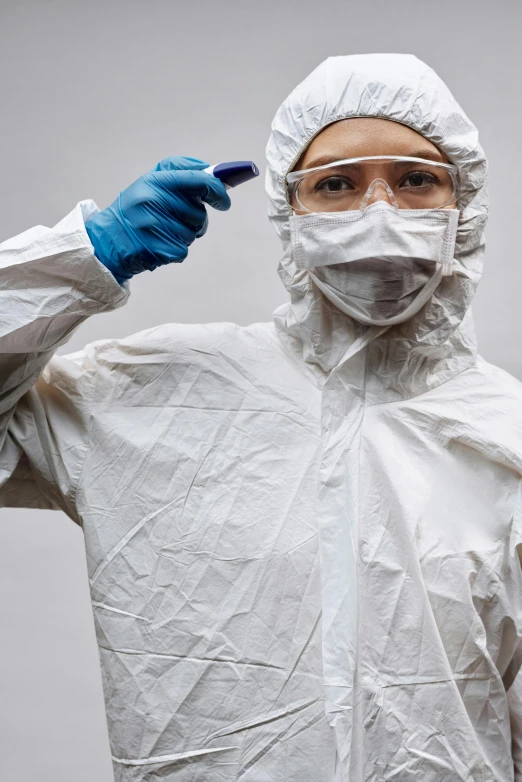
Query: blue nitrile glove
point(156, 219)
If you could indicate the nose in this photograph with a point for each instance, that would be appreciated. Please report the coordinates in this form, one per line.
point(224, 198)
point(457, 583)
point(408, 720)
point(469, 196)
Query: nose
point(378, 190)
point(379, 194)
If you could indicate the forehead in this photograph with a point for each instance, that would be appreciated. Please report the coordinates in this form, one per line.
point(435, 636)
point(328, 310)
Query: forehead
point(362, 136)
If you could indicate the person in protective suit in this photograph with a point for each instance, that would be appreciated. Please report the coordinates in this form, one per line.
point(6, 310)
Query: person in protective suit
point(302, 536)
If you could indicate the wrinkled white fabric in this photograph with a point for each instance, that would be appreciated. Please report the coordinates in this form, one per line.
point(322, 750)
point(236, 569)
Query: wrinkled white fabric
point(379, 265)
point(301, 537)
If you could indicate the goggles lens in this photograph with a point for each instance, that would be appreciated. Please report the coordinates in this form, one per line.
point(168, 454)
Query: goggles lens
point(407, 183)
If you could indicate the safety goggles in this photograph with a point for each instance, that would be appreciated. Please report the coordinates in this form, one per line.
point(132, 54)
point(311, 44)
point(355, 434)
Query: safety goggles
point(407, 182)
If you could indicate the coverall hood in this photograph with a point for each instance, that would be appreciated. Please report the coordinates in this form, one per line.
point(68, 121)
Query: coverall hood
point(401, 88)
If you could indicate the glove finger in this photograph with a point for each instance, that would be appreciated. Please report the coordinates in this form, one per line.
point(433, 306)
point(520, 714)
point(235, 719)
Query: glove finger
point(198, 185)
point(149, 199)
point(202, 231)
point(170, 249)
point(180, 164)
point(177, 217)
point(188, 213)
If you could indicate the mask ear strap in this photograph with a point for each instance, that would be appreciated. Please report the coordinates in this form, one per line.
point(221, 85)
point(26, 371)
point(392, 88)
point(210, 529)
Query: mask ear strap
point(371, 189)
point(448, 250)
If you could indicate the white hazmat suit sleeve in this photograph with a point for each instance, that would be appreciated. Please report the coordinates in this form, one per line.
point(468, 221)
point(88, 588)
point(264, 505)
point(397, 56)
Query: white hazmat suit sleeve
point(50, 282)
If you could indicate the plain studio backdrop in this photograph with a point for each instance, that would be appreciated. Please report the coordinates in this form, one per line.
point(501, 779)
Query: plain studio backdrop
point(95, 93)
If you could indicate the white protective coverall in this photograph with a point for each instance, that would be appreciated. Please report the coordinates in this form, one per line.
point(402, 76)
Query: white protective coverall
point(301, 535)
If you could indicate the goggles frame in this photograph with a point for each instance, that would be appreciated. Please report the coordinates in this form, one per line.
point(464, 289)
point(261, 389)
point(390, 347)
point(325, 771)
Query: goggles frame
point(296, 177)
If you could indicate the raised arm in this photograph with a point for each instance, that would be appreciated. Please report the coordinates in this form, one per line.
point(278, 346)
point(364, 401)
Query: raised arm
point(53, 279)
point(50, 282)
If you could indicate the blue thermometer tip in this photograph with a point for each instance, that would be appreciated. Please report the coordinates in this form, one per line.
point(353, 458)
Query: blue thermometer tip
point(234, 173)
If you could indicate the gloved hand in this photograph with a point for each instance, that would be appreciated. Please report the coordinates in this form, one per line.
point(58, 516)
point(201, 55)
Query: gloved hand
point(156, 219)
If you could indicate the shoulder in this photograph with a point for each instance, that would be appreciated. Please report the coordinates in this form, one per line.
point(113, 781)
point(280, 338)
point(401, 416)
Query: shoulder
point(182, 344)
point(481, 408)
point(495, 384)
point(214, 364)
point(482, 387)
point(180, 338)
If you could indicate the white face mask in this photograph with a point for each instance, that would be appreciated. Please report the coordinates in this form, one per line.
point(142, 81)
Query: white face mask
point(379, 265)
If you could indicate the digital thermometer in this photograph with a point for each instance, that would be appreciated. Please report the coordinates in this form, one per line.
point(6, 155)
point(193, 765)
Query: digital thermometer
point(234, 173)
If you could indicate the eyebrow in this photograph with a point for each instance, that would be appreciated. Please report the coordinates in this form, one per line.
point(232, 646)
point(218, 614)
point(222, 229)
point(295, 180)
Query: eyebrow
point(424, 154)
point(428, 154)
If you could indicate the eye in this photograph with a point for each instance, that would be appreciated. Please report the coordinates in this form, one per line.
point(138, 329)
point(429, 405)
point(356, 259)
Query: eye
point(334, 184)
point(417, 179)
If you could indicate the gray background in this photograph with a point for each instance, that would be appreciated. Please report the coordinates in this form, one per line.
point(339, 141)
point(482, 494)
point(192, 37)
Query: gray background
point(92, 95)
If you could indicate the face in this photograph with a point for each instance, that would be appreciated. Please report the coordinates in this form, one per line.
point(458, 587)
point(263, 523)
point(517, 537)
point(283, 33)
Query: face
point(362, 137)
